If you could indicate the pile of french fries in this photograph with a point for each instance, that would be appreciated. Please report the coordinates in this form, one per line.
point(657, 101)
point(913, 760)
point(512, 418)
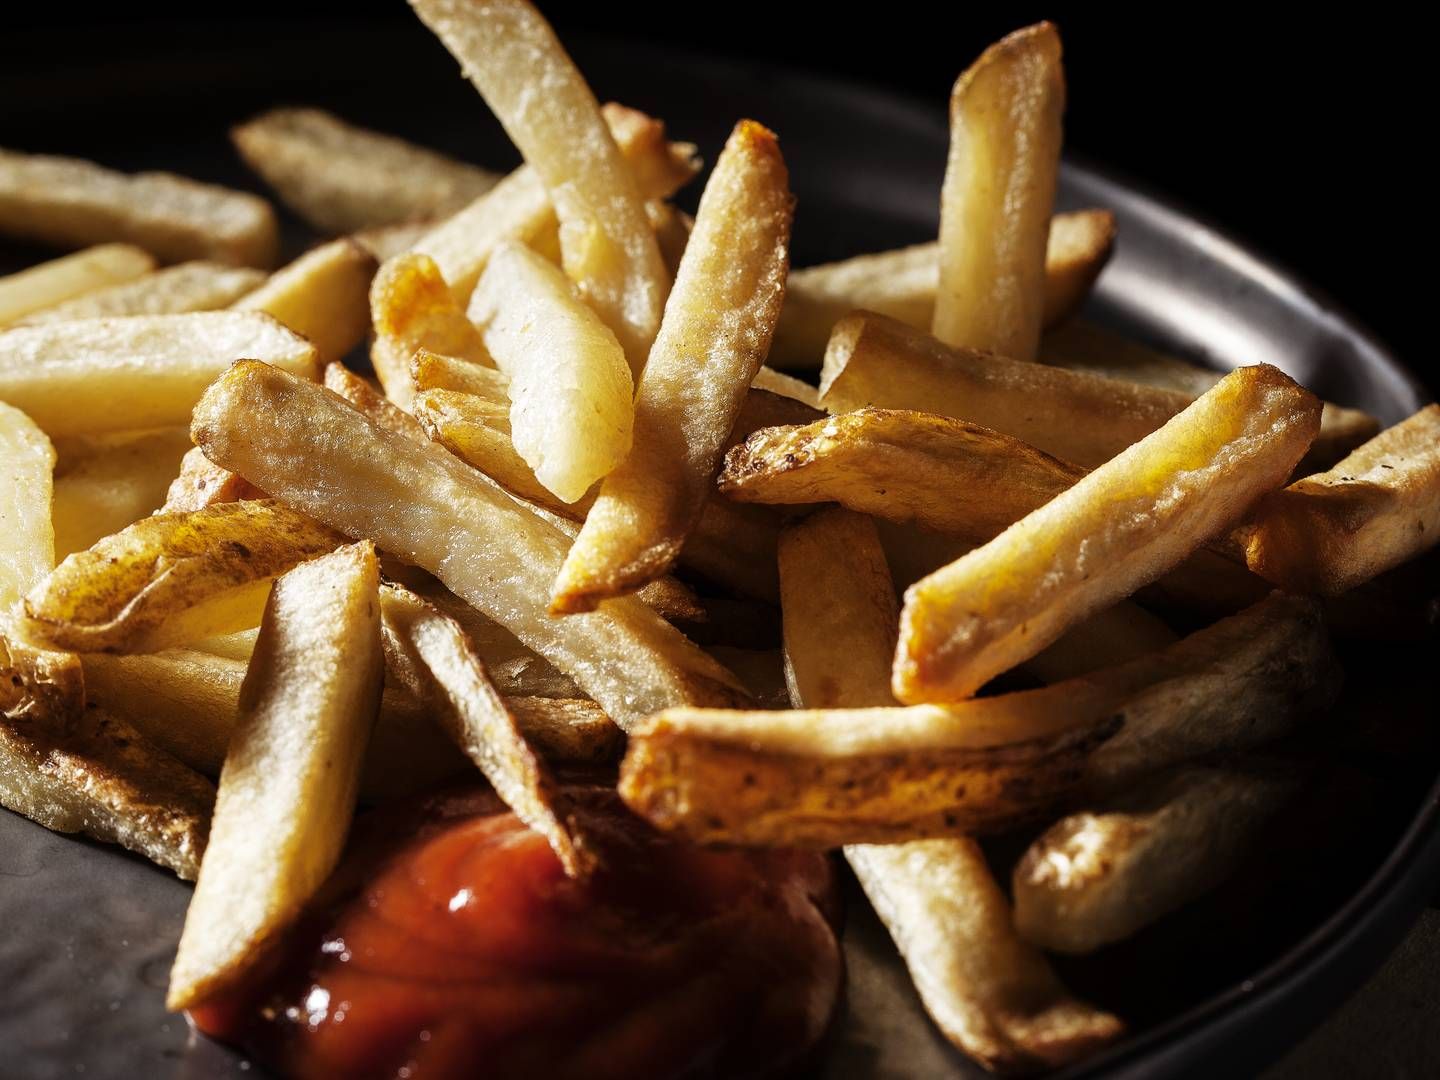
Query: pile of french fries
point(283, 589)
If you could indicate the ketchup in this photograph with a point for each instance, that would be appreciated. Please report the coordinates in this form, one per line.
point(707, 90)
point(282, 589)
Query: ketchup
point(450, 943)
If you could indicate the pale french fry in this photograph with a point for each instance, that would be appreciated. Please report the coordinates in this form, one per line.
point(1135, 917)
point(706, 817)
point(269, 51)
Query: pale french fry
point(422, 504)
point(672, 232)
point(64, 279)
point(1097, 877)
point(146, 371)
point(189, 286)
point(1078, 247)
point(105, 482)
point(825, 778)
point(171, 579)
point(202, 483)
point(27, 535)
point(436, 371)
point(413, 309)
point(340, 177)
point(324, 295)
point(505, 48)
point(571, 395)
point(1121, 527)
point(777, 382)
point(907, 467)
point(999, 193)
point(1373, 511)
point(73, 203)
point(288, 787)
point(717, 329)
point(440, 665)
point(358, 392)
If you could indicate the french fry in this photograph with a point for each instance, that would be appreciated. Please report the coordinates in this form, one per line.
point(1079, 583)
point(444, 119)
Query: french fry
point(323, 295)
point(422, 504)
point(387, 241)
point(358, 392)
point(129, 374)
point(777, 382)
point(505, 48)
point(572, 398)
point(1373, 511)
point(60, 280)
point(436, 371)
point(1119, 528)
point(413, 309)
point(672, 232)
point(171, 579)
point(1078, 247)
point(717, 329)
point(440, 665)
point(1097, 877)
point(288, 787)
point(824, 778)
point(188, 286)
point(105, 482)
point(27, 535)
point(202, 483)
point(766, 409)
point(341, 178)
point(908, 467)
point(73, 203)
point(999, 193)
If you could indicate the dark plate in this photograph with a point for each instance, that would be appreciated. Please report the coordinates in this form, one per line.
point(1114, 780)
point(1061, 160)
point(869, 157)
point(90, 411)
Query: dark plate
point(90, 931)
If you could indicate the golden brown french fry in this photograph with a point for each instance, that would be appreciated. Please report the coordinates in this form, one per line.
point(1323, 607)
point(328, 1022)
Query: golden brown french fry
point(777, 382)
point(188, 286)
point(324, 295)
point(340, 177)
point(436, 371)
point(60, 280)
point(1119, 528)
point(824, 778)
point(422, 504)
point(571, 394)
point(27, 535)
point(288, 787)
point(506, 48)
point(1374, 510)
point(439, 664)
point(73, 203)
point(1097, 877)
point(907, 467)
point(171, 579)
point(202, 483)
point(999, 193)
point(146, 371)
point(105, 482)
point(413, 309)
point(717, 329)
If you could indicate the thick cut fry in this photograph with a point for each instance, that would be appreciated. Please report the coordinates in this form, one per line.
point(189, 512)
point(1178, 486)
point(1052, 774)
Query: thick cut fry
point(27, 536)
point(172, 579)
point(422, 504)
point(147, 371)
point(907, 467)
point(999, 193)
point(1119, 528)
point(716, 332)
point(72, 203)
point(288, 788)
point(324, 295)
point(106, 482)
point(572, 398)
point(413, 309)
point(202, 483)
point(341, 178)
point(190, 286)
point(441, 666)
point(1374, 510)
point(64, 279)
point(1099, 876)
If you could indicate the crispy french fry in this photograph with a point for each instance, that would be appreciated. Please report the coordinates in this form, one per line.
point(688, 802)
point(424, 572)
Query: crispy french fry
point(421, 503)
point(505, 48)
point(824, 778)
point(73, 203)
point(1374, 510)
point(717, 329)
point(105, 482)
point(1097, 877)
point(1119, 528)
point(341, 178)
point(572, 398)
point(146, 371)
point(440, 665)
point(288, 787)
point(188, 286)
point(171, 579)
point(324, 295)
point(907, 467)
point(64, 279)
point(27, 535)
point(202, 483)
point(413, 309)
point(999, 193)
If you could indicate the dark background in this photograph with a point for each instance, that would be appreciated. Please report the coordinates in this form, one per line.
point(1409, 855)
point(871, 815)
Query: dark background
point(1301, 138)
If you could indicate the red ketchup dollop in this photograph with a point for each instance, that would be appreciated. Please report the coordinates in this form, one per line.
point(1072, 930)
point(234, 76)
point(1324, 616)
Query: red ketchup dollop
point(450, 943)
